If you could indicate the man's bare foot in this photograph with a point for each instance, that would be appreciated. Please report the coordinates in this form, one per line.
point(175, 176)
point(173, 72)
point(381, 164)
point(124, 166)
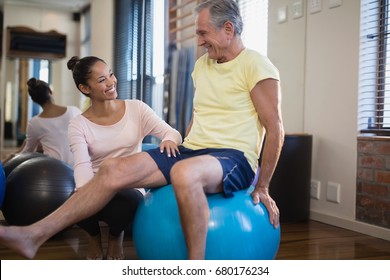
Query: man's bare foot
point(95, 250)
point(21, 240)
point(115, 247)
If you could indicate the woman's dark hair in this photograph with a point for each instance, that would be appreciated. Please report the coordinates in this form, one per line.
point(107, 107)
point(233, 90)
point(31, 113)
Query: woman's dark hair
point(39, 91)
point(81, 68)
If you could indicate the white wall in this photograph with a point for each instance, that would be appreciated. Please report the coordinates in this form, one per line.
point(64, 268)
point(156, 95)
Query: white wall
point(102, 21)
point(331, 94)
point(318, 56)
point(287, 50)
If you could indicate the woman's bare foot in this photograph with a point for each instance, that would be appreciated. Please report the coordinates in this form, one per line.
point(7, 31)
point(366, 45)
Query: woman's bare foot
point(21, 240)
point(95, 250)
point(115, 247)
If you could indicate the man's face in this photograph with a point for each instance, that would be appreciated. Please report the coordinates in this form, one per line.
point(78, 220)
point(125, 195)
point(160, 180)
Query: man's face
point(215, 41)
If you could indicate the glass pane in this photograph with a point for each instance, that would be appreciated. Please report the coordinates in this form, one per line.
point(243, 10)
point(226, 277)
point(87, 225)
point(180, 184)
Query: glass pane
point(158, 56)
point(254, 14)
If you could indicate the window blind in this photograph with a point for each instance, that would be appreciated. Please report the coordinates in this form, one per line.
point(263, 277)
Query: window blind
point(133, 49)
point(374, 68)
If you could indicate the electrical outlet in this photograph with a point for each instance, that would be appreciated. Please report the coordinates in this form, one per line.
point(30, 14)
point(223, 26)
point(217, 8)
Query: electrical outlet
point(315, 6)
point(333, 192)
point(315, 187)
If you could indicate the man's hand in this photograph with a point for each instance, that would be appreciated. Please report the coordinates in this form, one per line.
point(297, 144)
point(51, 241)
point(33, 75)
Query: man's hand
point(262, 195)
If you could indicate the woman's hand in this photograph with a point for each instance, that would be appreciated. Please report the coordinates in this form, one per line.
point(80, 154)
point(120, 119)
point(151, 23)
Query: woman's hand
point(170, 148)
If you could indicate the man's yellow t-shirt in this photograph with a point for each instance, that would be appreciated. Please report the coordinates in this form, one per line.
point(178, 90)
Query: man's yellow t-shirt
point(224, 115)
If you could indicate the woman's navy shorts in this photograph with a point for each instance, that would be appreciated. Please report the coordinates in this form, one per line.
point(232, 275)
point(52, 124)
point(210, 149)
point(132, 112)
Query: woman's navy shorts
point(237, 173)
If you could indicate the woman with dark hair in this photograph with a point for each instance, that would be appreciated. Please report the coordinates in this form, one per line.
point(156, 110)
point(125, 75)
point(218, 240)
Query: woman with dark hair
point(47, 132)
point(110, 128)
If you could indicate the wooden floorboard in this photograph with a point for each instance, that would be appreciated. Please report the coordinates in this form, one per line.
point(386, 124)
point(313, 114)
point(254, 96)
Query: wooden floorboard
point(299, 241)
point(317, 241)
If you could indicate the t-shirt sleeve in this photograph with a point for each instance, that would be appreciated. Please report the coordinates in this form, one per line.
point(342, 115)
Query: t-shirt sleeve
point(260, 68)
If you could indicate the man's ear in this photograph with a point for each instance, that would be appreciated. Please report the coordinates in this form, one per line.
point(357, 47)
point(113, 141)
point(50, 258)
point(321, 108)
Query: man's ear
point(229, 28)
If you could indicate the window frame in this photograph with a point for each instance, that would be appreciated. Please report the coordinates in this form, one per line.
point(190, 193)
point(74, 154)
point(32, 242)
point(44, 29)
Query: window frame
point(377, 125)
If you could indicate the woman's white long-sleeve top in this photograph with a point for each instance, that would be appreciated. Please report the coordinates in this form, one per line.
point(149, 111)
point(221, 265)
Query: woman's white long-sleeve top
point(91, 143)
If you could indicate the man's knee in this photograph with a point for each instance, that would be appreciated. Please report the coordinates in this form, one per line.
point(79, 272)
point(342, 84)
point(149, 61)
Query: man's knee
point(181, 173)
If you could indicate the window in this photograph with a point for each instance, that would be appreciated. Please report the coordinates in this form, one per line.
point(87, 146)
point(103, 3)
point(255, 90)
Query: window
point(374, 76)
point(132, 48)
point(139, 50)
point(254, 15)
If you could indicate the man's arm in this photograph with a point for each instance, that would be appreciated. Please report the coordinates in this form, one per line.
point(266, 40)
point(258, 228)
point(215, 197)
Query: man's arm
point(266, 97)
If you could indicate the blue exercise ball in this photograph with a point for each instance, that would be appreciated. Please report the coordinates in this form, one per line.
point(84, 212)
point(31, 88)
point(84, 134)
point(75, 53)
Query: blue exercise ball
point(148, 146)
point(237, 229)
point(2, 185)
point(36, 188)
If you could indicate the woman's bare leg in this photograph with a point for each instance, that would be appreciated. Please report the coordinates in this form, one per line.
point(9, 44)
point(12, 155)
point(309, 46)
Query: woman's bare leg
point(115, 247)
point(95, 250)
point(136, 171)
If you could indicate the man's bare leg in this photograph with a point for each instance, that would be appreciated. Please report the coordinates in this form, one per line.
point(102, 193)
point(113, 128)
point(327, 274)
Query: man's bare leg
point(115, 174)
point(191, 178)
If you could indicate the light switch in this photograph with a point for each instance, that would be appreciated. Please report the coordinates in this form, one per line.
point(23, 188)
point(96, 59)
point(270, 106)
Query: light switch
point(297, 9)
point(282, 14)
point(315, 6)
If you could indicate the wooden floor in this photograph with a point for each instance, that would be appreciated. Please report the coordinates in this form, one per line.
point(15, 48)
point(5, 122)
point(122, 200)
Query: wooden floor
point(318, 241)
point(299, 241)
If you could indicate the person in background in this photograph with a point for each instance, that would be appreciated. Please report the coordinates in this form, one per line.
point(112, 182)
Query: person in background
point(237, 101)
point(110, 128)
point(48, 131)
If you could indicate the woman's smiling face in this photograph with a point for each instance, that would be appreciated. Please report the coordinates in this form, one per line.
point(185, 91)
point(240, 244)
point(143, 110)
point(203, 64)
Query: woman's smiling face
point(102, 82)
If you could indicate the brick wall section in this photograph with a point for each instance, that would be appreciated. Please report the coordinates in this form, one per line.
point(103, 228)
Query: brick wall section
point(373, 181)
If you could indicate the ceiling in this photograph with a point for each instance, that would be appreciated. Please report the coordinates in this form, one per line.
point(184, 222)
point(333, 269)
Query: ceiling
point(70, 5)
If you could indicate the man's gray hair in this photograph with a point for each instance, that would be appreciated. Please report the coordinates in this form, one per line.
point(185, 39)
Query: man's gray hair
point(222, 11)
